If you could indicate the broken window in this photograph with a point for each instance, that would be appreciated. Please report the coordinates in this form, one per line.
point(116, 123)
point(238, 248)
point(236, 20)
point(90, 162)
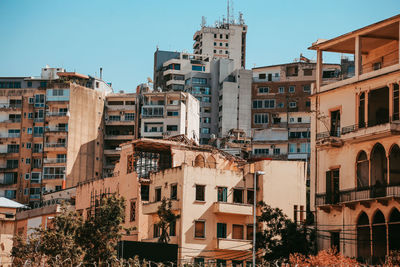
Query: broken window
point(361, 111)
point(147, 162)
point(378, 106)
point(394, 165)
point(332, 186)
point(237, 195)
point(292, 71)
point(144, 192)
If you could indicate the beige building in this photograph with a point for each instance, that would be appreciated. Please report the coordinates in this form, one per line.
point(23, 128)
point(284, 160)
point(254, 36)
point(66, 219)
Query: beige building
point(355, 145)
point(49, 132)
point(211, 190)
point(165, 114)
point(8, 210)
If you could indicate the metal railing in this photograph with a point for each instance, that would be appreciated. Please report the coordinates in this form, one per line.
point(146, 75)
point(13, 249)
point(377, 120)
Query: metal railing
point(358, 194)
point(11, 120)
point(56, 129)
point(56, 145)
point(53, 176)
point(56, 114)
point(55, 160)
point(10, 105)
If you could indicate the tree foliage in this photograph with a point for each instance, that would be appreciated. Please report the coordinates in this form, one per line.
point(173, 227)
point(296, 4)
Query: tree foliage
point(69, 240)
point(166, 219)
point(324, 258)
point(279, 236)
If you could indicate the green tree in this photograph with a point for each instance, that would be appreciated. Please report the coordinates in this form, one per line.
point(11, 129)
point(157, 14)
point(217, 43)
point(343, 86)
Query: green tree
point(280, 236)
point(166, 219)
point(26, 251)
point(101, 232)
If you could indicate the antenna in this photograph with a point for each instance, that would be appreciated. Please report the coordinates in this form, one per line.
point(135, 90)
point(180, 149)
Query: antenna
point(203, 21)
point(232, 12)
point(227, 9)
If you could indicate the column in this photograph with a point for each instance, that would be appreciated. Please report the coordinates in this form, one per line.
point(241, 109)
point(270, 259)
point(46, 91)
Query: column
point(319, 70)
point(390, 101)
point(357, 56)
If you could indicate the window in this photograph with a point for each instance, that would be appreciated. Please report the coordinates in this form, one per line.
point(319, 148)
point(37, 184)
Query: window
point(28, 161)
point(199, 80)
point(227, 36)
point(250, 196)
point(199, 261)
point(221, 263)
point(37, 148)
point(200, 229)
point(26, 191)
point(292, 104)
point(257, 103)
point(221, 230)
point(12, 164)
point(263, 90)
point(174, 191)
point(269, 103)
point(37, 131)
point(144, 192)
point(206, 120)
point(129, 116)
point(12, 148)
point(156, 231)
point(335, 240)
point(53, 172)
point(200, 192)
point(30, 115)
point(222, 194)
point(262, 76)
point(172, 113)
point(307, 88)
point(299, 119)
point(261, 151)
point(27, 176)
point(332, 186)
point(172, 228)
point(132, 216)
point(280, 105)
point(35, 177)
point(157, 195)
point(291, 89)
point(295, 211)
point(29, 131)
point(237, 231)
point(39, 100)
point(172, 127)
point(206, 99)
point(261, 118)
point(215, 43)
point(281, 90)
point(198, 68)
point(237, 195)
point(308, 103)
point(205, 130)
point(277, 151)
point(307, 72)
point(335, 123)
point(220, 36)
point(249, 232)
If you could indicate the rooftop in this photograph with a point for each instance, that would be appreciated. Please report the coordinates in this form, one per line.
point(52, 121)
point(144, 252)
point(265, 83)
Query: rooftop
point(8, 203)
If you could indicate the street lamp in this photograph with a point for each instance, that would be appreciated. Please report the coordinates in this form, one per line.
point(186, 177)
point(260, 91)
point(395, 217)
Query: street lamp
point(254, 213)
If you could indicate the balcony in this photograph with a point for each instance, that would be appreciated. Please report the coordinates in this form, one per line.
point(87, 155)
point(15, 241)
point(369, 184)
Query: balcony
point(120, 122)
point(234, 244)
point(370, 130)
point(56, 114)
point(55, 146)
point(152, 111)
point(116, 151)
point(54, 160)
point(121, 107)
point(119, 137)
point(9, 135)
point(364, 196)
point(56, 129)
point(233, 208)
point(8, 181)
point(10, 121)
point(7, 106)
point(53, 176)
point(151, 208)
point(330, 138)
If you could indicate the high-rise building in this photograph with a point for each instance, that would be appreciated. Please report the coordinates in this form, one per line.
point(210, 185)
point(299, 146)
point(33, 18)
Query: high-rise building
point(50, 131)
point(281, 108)
point(226, 40)
point(355, 158)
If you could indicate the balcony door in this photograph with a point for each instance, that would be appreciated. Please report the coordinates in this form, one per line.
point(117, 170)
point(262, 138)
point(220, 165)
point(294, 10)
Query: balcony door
point(332, 186)
point(335, 123)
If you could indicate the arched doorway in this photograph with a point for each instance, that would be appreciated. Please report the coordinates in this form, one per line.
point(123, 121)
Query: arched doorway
point(394, 165)
point(363, 237)
point(379, 236)
point(378, 171)
point(362, 170)
point(394, 230)
point(199, 161)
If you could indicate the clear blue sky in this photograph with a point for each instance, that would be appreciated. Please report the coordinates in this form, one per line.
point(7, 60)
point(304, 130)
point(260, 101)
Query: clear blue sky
point(121, 35)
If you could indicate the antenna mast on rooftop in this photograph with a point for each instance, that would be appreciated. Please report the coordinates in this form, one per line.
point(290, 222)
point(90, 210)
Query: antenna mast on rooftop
point(227, 9)
point(203, 21)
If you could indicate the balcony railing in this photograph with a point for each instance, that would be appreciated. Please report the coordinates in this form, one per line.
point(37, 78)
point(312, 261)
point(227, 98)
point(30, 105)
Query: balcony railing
point(11, 120)
point(56, 129)
point(10, 105)
point(10, 135)
point(53, 145)
point(56, 114)
point(358, 194)
point(54, 160)
point(53, 176)
point(38, 119)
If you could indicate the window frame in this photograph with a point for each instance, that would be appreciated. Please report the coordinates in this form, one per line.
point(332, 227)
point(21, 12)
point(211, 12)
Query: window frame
point(203, 187)
point(204, 229)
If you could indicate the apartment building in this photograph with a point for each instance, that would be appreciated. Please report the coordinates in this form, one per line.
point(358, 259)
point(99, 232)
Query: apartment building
point(226, 40)
point(48, 132)
point(211, 190)
point(121, 125)
point(280, 112)
point(165, 114)
point(355, 145)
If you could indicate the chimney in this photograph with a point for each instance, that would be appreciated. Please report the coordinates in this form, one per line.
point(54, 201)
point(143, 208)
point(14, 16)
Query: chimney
point(101, 73)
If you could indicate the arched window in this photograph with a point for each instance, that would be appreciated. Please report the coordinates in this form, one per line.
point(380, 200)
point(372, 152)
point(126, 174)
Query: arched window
point(394, 230)
point(211, 162)
point(378, 167)
point(379, 235)
point(199, 161)
point(362, 170)
point(394, 165)
point(363, 237)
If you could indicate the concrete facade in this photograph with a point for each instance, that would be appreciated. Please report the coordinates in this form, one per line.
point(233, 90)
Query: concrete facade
point(355, 145)
point(211, 190)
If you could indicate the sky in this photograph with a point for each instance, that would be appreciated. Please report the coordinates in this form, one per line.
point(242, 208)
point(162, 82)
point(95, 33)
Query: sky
point(121, 35)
